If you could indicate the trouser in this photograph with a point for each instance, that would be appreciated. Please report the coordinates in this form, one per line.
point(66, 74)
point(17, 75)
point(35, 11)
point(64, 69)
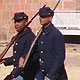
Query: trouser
point(18, 78)
point(41, 76)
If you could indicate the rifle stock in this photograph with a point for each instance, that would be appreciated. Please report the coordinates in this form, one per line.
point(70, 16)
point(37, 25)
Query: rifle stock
point(28, 54)
point(8, 46)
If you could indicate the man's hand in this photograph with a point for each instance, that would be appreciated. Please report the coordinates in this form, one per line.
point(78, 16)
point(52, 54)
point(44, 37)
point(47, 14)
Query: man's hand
point(3, 61)
point(21, 62)
point(47, 78)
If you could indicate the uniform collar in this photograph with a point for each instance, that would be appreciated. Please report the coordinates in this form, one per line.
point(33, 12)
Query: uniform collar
point(23, 32)
point(48, 29)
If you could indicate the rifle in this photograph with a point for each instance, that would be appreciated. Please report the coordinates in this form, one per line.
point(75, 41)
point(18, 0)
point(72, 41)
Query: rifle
point(34, 42)
point(7, 48)
point(14, 38)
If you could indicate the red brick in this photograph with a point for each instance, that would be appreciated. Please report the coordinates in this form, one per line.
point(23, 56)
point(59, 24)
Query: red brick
point(16, 1)
point(22, 6)
point(5, 15)
point(43, 3)
point(1, 1)
point(0, 15)
point(22, 1)
point(9, 22)
point(3, 36)
point(16, 6)
point(35, 1)
point(31, 7)
point(28, 6)
point(11, 14)
point(5, 23)
point(4, 18)
point(9, 7)
point(6, 1)
point(29, 1)
point(2, 23)
point(0, 29)
point(12, 29)
point(74, 28)
point(30, 13)
point(2, 7)
point(70, 5)
point(34, 6)
point(12, 1)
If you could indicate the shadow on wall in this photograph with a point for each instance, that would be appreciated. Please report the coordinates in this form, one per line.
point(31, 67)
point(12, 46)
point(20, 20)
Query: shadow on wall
point(75, 39)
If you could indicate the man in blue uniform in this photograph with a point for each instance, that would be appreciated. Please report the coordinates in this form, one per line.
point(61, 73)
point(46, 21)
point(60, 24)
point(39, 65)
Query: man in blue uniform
point(20, 49)
point(51, 49)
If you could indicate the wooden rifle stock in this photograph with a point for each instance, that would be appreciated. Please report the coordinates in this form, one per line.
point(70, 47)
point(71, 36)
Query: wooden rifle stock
point(8, 46)
point(32, 45)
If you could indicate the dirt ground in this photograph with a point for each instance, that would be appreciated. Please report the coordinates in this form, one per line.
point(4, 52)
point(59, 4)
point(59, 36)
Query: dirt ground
point(72, 62)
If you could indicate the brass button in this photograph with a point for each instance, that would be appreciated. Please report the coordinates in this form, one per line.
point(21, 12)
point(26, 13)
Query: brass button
point(42, 61)
point(24, 16)
point(42, 42)
point(41, 51)
point(14, 51)
point(15, 67)
point(43, 33)
point(14, 59)
point(42, 70)
point(16, 44)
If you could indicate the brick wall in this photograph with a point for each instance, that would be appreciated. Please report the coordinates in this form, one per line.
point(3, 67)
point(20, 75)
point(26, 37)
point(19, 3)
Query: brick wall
point(31, 7)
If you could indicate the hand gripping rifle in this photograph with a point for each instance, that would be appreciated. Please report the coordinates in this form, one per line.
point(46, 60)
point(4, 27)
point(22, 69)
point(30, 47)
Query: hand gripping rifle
point(14, 38)
point(34, 42)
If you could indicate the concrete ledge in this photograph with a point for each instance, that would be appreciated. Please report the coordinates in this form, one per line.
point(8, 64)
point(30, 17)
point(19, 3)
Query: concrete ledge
point(70, 32)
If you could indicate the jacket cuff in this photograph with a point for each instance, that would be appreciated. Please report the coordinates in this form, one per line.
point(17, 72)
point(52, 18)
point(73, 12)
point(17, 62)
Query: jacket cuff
point(17, 71)
point(52, 77)
point(8, 61)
